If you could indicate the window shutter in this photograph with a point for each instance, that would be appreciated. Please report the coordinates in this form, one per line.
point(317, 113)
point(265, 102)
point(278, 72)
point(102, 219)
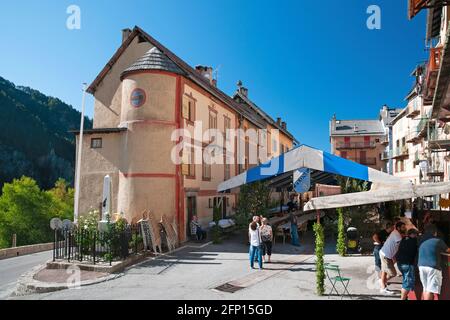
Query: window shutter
point(185, 110)
point(185, 162)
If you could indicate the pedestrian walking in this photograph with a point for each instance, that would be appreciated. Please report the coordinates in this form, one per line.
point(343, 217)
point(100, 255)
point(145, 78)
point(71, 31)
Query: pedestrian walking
point(379, 238)
point(430, 263)
point(255, 245)
point(267, 240)
point(294, 229)
point(387, 256)
point(406, 259)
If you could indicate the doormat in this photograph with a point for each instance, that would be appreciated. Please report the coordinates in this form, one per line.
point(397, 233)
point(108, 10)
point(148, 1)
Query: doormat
point(227, 287)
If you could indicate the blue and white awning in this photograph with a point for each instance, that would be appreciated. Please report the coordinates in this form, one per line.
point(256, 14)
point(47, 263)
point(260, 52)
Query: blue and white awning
point(311, 158)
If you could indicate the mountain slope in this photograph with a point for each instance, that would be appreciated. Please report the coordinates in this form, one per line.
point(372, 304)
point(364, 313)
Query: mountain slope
point(34, 137)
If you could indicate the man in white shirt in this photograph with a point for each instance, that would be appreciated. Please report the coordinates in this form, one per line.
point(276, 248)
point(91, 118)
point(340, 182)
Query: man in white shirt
point(387, 255)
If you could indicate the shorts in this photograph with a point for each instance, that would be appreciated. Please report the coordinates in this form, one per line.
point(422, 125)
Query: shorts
point(408, 281)
point(387, 265)
point(431, 279)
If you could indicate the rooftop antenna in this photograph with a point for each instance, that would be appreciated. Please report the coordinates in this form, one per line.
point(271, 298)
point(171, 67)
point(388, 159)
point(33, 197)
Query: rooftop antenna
point(216, 73)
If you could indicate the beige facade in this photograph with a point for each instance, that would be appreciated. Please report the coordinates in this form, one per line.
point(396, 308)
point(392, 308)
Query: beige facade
point(142, 96)
point(361, 141)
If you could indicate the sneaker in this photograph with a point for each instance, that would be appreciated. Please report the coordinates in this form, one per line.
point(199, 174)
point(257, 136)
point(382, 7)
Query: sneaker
point(386, 291)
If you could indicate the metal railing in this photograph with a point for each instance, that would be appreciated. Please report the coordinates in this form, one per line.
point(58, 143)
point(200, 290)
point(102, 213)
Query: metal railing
point(96, 246)
point(355, 145)
point(366, 161)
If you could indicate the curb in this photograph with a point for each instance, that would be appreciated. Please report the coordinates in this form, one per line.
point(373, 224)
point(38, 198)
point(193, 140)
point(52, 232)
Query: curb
point(27, 285)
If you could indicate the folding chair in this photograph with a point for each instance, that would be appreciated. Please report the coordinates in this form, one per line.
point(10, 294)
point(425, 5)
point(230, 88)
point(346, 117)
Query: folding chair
point(333, 273)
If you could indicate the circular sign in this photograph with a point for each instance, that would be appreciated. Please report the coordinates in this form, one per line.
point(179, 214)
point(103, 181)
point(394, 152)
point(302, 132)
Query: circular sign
point(137, 98)
point(56, 224)
point(67, 225)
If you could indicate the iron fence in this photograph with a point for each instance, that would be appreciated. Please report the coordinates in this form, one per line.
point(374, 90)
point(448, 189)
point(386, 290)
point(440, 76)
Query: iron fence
point(96, 246)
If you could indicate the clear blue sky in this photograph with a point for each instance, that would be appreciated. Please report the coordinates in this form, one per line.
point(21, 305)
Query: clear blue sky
point(301, 60)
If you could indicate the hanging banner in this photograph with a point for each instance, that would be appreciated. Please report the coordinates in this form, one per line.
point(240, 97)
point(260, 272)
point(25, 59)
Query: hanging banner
point(302, 180)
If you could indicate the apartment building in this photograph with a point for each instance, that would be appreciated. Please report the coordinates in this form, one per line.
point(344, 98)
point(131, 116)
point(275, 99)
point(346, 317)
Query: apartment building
point(435, 89)
point(362, 141)
point(144, 97)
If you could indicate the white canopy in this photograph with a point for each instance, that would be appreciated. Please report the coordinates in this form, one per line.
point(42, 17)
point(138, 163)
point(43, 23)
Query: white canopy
point(378, 194)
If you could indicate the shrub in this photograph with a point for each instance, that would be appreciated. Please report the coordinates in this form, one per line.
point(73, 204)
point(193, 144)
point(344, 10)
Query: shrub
point(340, 245)
point(320, 271)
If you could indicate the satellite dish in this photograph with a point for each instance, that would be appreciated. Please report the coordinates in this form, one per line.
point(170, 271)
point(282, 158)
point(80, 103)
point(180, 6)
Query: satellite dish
point(67, 225)
point(56, 224)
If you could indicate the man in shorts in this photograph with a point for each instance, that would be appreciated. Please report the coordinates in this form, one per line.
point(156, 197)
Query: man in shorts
point(430, 263)
point(387, 255)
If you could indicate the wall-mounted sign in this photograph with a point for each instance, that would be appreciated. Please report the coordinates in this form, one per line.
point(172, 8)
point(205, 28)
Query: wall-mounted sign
point(302, 180)
point(137, 98)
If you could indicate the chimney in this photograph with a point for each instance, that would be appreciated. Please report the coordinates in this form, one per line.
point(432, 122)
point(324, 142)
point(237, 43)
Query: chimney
point(279, 122)
point(284, 125)
point(206, 72)
point(241, 89)
point(125, 34)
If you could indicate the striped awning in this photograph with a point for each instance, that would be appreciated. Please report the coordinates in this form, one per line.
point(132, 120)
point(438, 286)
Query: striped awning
point(307, 157)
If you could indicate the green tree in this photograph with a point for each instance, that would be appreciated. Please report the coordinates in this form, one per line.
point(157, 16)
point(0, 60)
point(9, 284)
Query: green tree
point(349, 185)
point(340, 245)
point(26, 210)
point(62, 199)
point(253, 200)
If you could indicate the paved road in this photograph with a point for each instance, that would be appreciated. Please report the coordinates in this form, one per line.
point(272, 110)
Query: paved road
point(11, 269)
point(198, 273)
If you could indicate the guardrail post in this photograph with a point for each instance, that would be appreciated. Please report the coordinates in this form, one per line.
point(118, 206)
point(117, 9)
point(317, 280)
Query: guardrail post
point(14, 240)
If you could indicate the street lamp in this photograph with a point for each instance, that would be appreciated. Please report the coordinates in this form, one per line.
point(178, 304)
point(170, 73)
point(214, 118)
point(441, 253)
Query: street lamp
point(78, 164)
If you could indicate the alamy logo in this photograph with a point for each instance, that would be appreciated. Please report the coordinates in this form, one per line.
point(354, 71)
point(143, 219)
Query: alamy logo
point(73, 22)
point(232, 146)
point(374, 20)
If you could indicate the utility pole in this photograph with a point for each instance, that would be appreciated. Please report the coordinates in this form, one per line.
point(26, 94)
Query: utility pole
point(78, 164)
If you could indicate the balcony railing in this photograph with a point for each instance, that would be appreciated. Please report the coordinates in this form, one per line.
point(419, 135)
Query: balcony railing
point(400, 152)
point(370, 161)
point(386, 155)
point(434, 63)
point(413, 110)
point(415, 6)
point(355, 145)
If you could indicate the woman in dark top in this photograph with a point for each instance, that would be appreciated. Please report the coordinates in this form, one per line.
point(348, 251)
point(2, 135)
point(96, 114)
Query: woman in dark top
point(406, 258)
point(378, 240)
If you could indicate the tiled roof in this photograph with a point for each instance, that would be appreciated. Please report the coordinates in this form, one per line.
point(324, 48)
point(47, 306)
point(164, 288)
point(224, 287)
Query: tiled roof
point(357, 127)
point(183, 67)
point(259, 113)
point(154, 59)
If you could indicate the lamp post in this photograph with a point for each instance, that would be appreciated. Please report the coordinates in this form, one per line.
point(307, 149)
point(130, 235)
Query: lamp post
point(78, 164)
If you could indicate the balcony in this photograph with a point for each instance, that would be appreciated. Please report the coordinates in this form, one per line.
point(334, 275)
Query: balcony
point(434, 63)
point(422, 127)
point(384, 141)
point(365, 161)
point(436, 172)
point(413, 110)
point(386, 155)
point(419, 157)
point(413, 137)
point(400, 152)
point(439, 145)
point(415, 6)
point(355, 145)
